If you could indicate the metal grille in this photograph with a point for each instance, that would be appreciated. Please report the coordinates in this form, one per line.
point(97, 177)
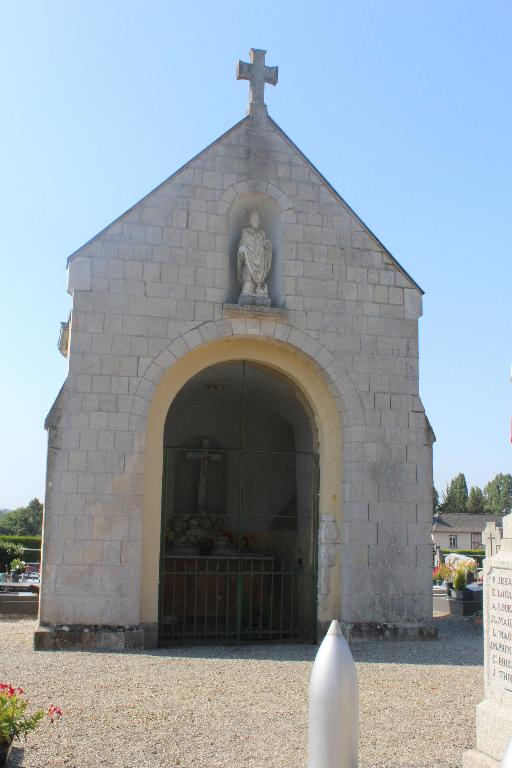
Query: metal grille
point(265, 590)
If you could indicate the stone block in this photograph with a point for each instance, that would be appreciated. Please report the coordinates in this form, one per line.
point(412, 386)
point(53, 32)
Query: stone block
point(396, 295)
point(412, 303)
point(131, 553)
point(80, 637)
point(111, 303)
point(79, 274)
point(92, 552)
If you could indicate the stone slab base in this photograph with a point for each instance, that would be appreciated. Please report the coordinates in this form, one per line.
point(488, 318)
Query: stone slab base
point(15, 605)
point(150, 635)
point(493, 731)
point(464, 607)
point(88, 638)
point(370, 630)
point(253, 310)
point(473, 758)
point(257, 301)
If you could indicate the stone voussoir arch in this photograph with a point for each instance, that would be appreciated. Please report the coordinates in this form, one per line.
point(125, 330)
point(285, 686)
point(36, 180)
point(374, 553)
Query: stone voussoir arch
point(347, 399)
point(336, 406)
point(232, 193)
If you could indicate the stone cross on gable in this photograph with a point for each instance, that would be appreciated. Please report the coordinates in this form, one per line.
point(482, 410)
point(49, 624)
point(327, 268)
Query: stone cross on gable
point(257, 73)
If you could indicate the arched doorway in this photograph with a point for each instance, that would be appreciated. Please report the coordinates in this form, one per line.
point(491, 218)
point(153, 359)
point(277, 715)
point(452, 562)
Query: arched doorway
point(239, 509)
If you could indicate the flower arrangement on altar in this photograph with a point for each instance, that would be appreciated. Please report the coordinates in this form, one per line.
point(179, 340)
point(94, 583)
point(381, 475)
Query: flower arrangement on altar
point(244, 543)
point(15, 721)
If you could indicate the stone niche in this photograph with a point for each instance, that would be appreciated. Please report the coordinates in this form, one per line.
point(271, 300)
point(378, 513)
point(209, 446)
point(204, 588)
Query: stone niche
point(270, 221)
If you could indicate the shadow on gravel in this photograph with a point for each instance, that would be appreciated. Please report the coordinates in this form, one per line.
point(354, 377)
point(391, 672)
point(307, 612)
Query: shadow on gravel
point(16, 757)
point(459, 643)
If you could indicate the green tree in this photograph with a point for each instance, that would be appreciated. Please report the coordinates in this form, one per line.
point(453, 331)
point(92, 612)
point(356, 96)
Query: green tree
point(456, 495)
point(435, 498)
point(24, 521)
point(8, 551)
point(498, 495)
point(476, 500)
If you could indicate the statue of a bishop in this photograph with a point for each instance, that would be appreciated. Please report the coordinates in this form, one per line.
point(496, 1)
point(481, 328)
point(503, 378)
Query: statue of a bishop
point(254, 258)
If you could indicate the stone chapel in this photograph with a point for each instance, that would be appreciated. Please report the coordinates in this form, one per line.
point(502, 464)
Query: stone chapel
point(239, 452)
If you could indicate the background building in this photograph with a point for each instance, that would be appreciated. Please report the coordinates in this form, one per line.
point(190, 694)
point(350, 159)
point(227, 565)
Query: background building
point(461, 530)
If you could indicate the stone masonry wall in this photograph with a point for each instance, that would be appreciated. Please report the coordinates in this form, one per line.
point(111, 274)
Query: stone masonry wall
point(151, 286)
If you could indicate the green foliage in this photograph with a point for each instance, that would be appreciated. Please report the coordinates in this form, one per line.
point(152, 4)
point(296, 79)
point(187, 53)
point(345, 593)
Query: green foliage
point(8, 551)
point(456, 495)
point(495, 499)
point(498, 495)
point(32, 542)
point(435, 499)
point(26, 547)
point(24, 521)
point(18, 565)
point(476, 554)
point(14, 720)
point(476, 501)
point(459, 581)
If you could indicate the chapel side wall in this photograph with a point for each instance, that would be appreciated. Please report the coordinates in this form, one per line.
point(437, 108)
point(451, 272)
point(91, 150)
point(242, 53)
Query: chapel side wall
point(143, 291)
point(93, 505)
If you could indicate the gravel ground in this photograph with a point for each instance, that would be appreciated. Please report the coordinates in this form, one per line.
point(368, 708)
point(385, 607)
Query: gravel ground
point(227, 707)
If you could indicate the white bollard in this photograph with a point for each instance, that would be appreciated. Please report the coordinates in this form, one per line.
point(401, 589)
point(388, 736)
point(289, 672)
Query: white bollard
point(506, 760)
point(333, 705)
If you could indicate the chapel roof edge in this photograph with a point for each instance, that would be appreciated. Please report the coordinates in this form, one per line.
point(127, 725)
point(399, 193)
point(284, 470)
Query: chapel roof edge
point(342, 200)
point(246, 118)
point(53, 408)
point(322, 178)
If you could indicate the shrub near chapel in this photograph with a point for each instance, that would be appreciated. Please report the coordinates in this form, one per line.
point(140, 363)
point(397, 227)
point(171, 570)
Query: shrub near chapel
point(9, 550)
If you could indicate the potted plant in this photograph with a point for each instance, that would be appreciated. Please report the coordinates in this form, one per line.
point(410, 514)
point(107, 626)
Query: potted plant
point(470, 566)
point(8, 551)
point(444, 572)
point(459, 584)
point(17, 568)
point(437, 575)
point(15, 721)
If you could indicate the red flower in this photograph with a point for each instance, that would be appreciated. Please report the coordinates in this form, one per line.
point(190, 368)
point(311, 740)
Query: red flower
point(54, 713)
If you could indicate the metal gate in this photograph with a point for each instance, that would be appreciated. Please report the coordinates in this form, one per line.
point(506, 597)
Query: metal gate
point(254, 576)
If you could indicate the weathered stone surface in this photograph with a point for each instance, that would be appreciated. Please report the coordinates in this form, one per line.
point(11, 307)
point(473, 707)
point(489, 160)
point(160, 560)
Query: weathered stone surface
point(158, 284)
point(371, 630)
point(86, 637)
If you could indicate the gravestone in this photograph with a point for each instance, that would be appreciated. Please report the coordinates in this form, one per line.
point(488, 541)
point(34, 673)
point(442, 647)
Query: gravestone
point(494, 713)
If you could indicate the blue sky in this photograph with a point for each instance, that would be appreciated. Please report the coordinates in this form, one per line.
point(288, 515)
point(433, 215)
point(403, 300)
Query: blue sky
point(404, 106)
